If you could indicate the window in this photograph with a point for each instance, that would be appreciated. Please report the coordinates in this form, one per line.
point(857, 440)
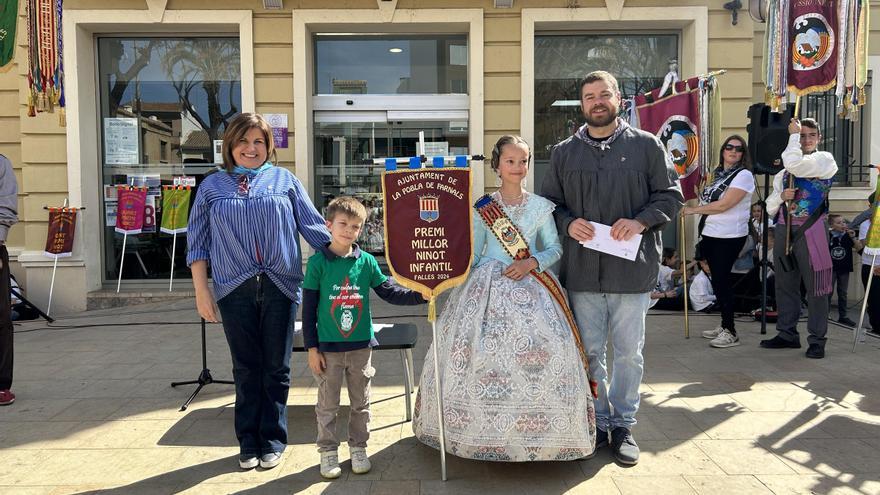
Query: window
point(390, 64)
point(638, 61)
point(374, 94)
point(164, 103)
point(849, 141)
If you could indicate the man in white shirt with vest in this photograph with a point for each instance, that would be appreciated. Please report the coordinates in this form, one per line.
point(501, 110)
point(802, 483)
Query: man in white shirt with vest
point(812, 172)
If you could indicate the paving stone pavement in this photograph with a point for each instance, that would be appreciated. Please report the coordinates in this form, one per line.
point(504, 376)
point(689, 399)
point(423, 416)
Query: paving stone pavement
point(96, 414)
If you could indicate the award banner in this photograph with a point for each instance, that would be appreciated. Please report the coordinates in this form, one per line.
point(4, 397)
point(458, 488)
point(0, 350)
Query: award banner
point(812, 32)
point(130, 209)
point(428, 239)
point(676, 121)
point(175, 209)
point(62, 227)
point(8, 20)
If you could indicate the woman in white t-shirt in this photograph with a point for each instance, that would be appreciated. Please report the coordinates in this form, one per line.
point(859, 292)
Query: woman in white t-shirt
point(724, 206)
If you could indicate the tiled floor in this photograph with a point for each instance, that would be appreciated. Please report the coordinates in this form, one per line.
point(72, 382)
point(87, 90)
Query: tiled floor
point(95, 414)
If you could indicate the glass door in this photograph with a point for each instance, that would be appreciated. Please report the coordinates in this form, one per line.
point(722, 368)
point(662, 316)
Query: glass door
point(346, 143)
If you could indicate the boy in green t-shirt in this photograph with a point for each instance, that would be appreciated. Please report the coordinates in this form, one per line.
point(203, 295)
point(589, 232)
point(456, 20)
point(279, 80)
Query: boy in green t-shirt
point(338, 331)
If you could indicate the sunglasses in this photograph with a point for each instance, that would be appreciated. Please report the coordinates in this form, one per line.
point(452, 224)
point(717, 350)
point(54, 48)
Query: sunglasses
point(731, 147)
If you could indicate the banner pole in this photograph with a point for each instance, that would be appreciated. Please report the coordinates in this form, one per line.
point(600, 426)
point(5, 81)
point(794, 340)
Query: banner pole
point(52, 286)
point(438, 389)
point(55, 264)
point(173, 253)
point(121, 262)
point(858, 330)
point(684, 279)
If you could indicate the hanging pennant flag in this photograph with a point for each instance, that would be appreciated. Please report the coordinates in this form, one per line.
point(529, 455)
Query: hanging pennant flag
point(175, 209)
point(130, 209)
point(813, 46)
point(45, 70)
point(8, 20)
point(676, 121)
point(62, 227)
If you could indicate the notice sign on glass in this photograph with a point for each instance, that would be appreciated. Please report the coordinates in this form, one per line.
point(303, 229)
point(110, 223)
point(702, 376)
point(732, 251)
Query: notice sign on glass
point(278, 122)
point(121, 141)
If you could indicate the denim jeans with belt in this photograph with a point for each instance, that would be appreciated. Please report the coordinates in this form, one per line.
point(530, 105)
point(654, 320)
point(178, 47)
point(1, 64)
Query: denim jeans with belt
point(620, 317)
point(256, 319)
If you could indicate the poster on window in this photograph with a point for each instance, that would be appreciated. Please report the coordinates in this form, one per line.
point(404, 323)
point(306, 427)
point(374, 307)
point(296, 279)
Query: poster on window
point(278, 122)
point(121, 141)
point(150, 203)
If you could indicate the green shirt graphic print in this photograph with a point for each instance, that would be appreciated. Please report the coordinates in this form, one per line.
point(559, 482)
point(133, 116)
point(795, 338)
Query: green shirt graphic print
point(343, 286)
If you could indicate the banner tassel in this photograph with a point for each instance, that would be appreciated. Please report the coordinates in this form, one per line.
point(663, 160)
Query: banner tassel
point(432, 309)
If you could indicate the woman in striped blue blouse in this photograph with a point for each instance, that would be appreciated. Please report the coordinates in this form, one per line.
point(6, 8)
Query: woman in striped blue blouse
point(245, 222)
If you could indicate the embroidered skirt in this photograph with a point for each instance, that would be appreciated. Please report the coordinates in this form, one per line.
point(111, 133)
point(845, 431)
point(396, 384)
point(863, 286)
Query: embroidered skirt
point(514, 388)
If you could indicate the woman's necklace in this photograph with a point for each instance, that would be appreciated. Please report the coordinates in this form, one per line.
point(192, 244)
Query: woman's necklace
point(511, 201)
point(514, 210)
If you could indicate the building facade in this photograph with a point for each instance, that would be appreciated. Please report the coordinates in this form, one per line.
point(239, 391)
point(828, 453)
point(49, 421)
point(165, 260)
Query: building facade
point(150, 85)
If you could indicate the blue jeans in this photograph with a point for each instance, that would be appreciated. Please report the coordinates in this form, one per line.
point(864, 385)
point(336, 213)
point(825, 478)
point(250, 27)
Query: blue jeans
point(623, 316)
point(256, 319)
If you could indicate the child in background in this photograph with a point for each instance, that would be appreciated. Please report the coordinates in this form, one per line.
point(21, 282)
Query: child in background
point(841, 241)
point(338, 331)
point(701, 294)
point(669, 294)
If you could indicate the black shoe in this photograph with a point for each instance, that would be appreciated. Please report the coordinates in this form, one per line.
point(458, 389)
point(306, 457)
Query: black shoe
point(780, 343)
point(846, 321)
point(815, 351)
point(624, 446)
point(601, 438)
point(601, 441)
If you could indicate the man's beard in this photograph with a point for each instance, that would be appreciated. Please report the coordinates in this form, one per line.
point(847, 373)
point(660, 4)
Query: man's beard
point(601, 121)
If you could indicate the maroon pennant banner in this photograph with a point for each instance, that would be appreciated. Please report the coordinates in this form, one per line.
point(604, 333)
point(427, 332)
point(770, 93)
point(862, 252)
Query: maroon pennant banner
point(428, 235)
point(813, 44)
point(675, 120)
point(62, 227)
point(130, 209)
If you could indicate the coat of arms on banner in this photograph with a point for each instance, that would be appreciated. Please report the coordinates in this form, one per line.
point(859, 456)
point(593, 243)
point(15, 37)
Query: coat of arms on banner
point(429, 209)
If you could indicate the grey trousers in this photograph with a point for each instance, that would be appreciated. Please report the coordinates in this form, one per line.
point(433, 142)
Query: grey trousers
point(356, 368)
point(788, 293)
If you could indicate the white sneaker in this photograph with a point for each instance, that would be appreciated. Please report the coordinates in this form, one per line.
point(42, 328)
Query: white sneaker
point(270, 460)
point(711, 334)
point(248, 461)
point(360, 463)
point(330, 464)
point(725, 339)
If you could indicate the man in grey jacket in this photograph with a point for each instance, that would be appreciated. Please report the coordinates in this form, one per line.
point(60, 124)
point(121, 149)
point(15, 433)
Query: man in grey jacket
point(8, 218)
point(612, 174)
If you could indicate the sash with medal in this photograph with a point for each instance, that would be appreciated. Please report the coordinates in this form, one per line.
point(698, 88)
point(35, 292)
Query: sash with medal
point(511, 239)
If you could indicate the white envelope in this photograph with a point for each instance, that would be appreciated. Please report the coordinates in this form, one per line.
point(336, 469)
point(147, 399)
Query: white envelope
point(603, 242)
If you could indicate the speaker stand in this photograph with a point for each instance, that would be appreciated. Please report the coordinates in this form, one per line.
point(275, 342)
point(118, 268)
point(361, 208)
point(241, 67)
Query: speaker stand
point(765, 230)
point(204, 378)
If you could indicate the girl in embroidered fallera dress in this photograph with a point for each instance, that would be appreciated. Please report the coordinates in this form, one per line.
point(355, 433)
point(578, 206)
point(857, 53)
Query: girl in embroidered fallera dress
point(514, 384)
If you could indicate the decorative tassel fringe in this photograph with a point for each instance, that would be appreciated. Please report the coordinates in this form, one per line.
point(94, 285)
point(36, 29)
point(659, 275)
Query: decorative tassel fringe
point(432, 309)
point(30, 106)
point(62, 117)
